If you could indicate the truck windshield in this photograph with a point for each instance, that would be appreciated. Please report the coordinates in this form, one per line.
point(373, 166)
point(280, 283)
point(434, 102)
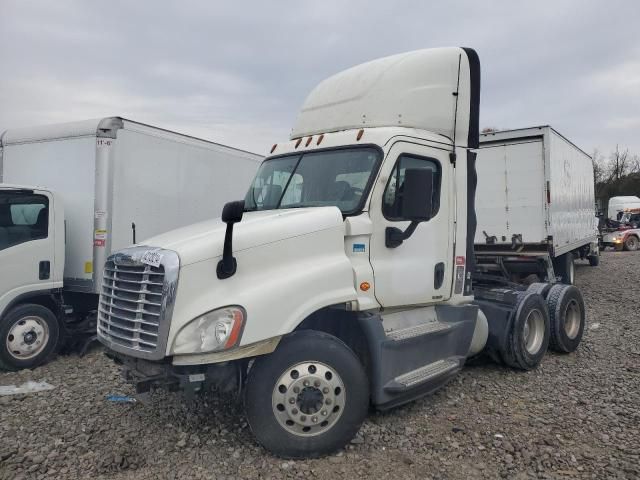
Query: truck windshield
point(338, 178)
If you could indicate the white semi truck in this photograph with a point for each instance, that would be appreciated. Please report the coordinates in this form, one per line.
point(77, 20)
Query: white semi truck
point(70, 195)
point(345, 278)
point(535, 200)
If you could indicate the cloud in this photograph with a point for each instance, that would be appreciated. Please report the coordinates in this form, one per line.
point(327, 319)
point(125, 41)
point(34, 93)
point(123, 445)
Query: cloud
point(238, 72)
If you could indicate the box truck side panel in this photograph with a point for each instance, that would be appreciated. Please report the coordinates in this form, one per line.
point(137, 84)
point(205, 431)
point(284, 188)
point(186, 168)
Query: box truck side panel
point(572, 207)
point(66, 167)
point(165, 181)
point(510, 193)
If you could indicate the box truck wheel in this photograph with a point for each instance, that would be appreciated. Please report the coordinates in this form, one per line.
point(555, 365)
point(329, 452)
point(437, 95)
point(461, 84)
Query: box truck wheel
point(594, 260)
point(528, 336)
point(308, 398)
point(28, 337)
point(567, 315)
point(565, 268)
point(539, 288)
point(631, 243)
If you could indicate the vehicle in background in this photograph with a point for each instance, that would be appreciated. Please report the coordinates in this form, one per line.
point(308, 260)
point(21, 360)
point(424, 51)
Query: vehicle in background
point(622, 239)
point(535, 205)
point(618, 205)
point(630, 217)
point(346, 277)
point(76, 192)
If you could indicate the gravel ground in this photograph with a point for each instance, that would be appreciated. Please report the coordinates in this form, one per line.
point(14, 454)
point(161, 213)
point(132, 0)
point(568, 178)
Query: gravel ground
point(577, 416)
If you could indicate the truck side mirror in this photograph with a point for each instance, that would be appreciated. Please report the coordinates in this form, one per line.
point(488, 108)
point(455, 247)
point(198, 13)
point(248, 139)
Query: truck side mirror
point(231, 213)
point(417, 195)
point(416, 204)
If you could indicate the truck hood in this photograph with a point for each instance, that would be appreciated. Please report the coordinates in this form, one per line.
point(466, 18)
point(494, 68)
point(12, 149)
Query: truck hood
point(204, 240)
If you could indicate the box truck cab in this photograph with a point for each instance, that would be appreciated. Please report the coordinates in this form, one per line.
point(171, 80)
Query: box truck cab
point(103, 185)
point(32, 259)
point(344, 279)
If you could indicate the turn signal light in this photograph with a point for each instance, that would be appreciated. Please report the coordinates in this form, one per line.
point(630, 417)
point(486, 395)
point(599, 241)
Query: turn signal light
point(364, 286)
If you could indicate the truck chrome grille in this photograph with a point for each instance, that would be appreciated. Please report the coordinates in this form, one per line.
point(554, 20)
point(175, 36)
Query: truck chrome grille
point(132, 311)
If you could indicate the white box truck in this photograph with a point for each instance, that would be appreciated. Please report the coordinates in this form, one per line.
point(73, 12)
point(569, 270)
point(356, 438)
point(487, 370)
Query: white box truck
point(73, 193)
point(535, 201)
point(346, 277)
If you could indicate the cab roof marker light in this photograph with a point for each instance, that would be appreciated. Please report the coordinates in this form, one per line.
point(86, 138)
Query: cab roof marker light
point(360, 133)
point(308, 141)
point(320, 138)
point(298, 142)
point(273, 148)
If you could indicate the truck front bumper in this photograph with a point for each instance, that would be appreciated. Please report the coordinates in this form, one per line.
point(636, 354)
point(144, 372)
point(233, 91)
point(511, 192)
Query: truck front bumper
point(147, 374)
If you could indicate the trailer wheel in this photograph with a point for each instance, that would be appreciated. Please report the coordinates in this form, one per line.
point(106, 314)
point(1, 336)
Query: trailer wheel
point(631, 243)
point(308, 398)
point(540, 288)
point(567, 315)
point(28, 337)
point(528, 336)
point(564, 266)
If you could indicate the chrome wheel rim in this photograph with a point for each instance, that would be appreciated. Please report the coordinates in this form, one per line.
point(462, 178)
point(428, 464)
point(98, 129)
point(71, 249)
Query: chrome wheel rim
point(308, 398)
point(533, 331)
point(27, 337)
point(572, 319)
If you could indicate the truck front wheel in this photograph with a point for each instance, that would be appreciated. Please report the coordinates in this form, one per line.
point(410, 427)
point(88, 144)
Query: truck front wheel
point(631, 243)
point(308, 398)
point(567, 315)
point(28, 337)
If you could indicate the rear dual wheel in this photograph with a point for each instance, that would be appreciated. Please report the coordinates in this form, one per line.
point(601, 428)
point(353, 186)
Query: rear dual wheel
point(528, 336)
point(567, 316)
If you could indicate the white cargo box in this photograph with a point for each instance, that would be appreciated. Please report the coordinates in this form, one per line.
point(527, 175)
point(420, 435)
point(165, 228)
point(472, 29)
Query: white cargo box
point(111, 173)
point(534, 186)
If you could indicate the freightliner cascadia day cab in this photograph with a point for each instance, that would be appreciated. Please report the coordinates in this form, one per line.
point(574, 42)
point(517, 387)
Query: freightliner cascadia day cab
point(345, 277)
point(535, 199)
point(76, 192)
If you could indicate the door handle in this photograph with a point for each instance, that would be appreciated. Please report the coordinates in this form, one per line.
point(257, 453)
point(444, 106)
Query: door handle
point(44, 270)
point(438, 275)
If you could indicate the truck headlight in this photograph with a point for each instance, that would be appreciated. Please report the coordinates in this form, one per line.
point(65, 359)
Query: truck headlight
point(217, 330)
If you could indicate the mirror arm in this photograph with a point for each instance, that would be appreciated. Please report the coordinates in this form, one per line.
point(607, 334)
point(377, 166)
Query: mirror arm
point(227, 266)
point(394, 236)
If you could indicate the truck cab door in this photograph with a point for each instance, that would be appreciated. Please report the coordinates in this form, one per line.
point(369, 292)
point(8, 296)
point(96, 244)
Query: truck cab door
point(27, 244)
point(419, 270)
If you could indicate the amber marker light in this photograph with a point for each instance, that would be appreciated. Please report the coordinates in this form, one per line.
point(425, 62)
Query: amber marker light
point(308, 141)
point(273, 149)
point(364, 286)
point(320, 138)
point(360, 133)
point(298, 142)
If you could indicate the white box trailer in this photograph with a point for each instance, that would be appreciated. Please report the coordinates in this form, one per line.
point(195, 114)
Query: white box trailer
point(119, 182)
point(535, 195)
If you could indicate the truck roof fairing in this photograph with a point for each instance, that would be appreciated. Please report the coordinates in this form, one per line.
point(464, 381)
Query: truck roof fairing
point(437, 90)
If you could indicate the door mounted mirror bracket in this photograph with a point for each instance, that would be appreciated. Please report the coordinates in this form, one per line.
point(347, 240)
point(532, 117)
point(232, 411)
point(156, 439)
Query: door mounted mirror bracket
point(394, 236)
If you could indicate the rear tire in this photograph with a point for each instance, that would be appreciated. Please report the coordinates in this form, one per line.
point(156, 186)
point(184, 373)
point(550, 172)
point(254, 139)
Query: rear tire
point(565, 268)
point(594, 260)
point(567, 316)
point(308, 398)
point(539, 288)
point(528, 336)
point(28, 337)
point(631, 243)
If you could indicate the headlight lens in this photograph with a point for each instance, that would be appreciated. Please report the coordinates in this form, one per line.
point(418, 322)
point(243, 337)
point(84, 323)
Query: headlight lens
point(217, 330)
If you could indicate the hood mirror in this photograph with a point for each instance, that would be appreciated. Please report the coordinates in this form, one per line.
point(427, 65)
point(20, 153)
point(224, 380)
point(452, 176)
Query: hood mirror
point(231, 213)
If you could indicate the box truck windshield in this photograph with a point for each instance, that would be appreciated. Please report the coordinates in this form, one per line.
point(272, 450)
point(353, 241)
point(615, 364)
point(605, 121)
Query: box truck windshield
point(338, 178)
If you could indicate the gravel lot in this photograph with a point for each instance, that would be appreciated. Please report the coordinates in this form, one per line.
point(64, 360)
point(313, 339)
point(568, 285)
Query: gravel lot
point(577, 416)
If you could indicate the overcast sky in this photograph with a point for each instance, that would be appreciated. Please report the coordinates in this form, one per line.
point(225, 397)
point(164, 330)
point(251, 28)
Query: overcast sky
point(237, 72)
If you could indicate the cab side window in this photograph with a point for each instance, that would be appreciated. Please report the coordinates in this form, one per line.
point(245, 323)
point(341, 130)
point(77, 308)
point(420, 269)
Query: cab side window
point(392, 198)
point(23, 217)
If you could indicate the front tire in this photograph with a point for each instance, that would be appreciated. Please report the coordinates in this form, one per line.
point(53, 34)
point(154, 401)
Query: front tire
point(28, 337)
point(567, 315)
point(308, 398)
point(631, 243)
